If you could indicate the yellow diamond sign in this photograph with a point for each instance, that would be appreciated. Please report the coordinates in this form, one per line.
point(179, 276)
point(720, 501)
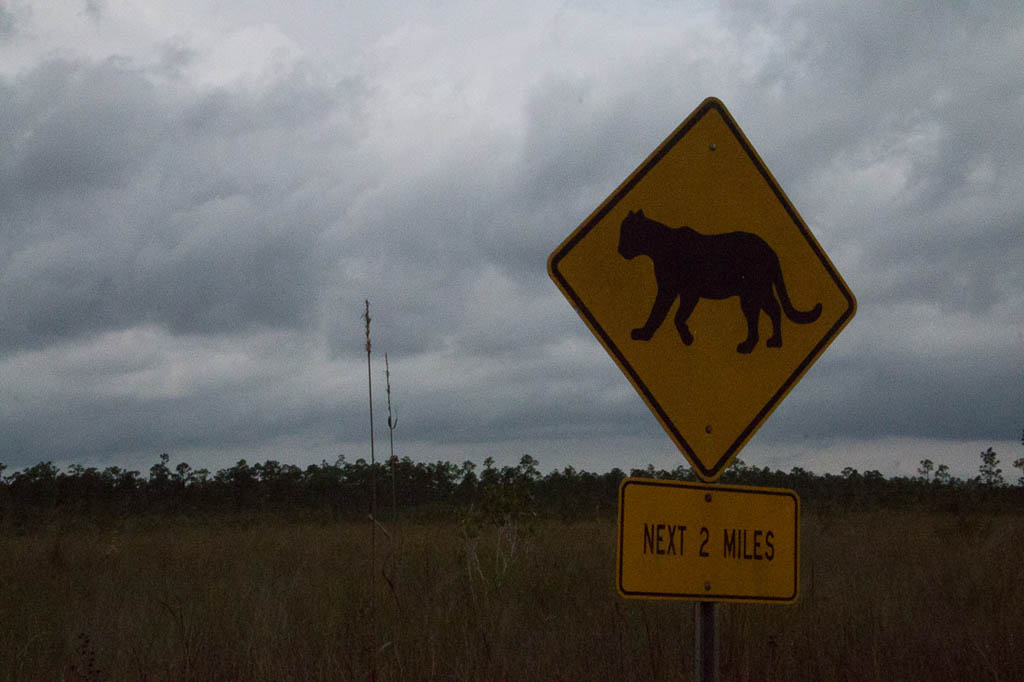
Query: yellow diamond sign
point(704, 284)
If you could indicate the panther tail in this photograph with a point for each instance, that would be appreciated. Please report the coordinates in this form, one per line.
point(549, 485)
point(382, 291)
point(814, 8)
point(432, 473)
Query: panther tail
point(798, 316)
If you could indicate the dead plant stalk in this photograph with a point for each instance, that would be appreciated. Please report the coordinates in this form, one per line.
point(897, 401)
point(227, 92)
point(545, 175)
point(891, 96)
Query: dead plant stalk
point(373, 504)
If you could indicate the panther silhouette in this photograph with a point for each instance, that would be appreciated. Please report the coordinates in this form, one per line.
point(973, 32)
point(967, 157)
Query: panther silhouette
point(690, 266)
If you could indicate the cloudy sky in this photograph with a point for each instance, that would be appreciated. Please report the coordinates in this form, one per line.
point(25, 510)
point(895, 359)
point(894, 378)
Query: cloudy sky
point(196, 198)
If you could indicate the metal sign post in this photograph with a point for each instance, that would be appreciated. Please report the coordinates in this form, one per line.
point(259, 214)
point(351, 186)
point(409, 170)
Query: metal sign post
point(705, 641)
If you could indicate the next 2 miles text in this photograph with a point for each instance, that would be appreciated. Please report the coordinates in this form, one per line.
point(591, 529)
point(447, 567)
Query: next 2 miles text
point(743, 544)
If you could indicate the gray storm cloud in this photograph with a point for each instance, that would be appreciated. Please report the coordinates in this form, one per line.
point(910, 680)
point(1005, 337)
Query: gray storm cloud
point(191, 216)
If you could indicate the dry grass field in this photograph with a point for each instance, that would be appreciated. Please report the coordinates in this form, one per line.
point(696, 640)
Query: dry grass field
point(887, 595)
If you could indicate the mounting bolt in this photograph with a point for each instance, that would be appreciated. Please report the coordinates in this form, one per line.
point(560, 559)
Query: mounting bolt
point(707, 497)
point(713, 146)
point(707, 429)
point(707, 587)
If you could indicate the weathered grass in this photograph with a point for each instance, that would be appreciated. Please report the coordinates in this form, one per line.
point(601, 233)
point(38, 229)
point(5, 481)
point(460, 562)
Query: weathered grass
point(885, 596)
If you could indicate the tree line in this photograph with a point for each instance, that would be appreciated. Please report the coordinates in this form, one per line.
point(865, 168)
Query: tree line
point(405, 488)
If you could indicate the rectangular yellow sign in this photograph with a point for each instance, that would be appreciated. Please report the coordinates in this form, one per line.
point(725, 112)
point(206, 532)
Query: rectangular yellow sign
point(708, 542)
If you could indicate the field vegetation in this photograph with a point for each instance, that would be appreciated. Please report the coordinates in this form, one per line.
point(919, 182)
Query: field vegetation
point(263, 572)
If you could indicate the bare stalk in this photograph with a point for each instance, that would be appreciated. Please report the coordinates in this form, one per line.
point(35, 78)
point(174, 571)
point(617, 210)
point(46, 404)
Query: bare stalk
point(373, 505)
point(392, 425)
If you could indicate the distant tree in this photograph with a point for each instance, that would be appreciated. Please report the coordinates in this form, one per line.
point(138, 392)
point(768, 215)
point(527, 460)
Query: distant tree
point(35, 487)
point(681, 473)
point(466, 490)
point(3, 493)
point(800, 473)
point(160, 473)
point(647, 472)
point(1019, 464)
point(528, 467)
point(925, 470)
point(240, 482)
point(989, 472)
point(83, 489)
point(489, 476)
point(183, 474)
point(505, 496)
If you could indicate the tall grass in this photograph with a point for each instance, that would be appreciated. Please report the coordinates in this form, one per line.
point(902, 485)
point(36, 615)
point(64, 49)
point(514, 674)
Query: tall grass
point(885, 596)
